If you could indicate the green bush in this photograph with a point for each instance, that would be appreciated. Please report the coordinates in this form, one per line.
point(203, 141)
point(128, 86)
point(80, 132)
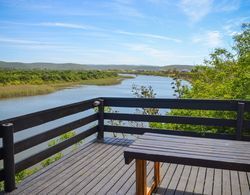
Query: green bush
point(225, 75)
point(17, 77)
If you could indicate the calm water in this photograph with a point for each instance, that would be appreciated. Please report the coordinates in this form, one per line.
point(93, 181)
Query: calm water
point(19, 106)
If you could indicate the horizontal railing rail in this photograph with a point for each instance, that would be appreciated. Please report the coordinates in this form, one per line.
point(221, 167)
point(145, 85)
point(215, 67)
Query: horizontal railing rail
point(172, 119)
point(47, 135)
point(142, 130)
point(9, 127)
point(194, 104)
point(34, 119)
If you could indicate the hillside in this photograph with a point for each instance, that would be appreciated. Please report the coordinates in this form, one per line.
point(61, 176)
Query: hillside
point(178, 67)
point(72, 66)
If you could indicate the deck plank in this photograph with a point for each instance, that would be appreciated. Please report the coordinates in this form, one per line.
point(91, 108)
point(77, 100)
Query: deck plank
point(175, 180)
point(125, 178)
point(61, 165)
point(192, 180)
point(200, 181)
point(217, 189)
point(235, 183)
point(127, 184)
point(58, 177)
point(244, 183)
point(183, 181)
point(116, 178)
point(208, 186)
point(166, 179)
point(77, 177)
point(226, 180)
point(82, 176)
point(248, 176)
point(99, 168)
point(98, 182)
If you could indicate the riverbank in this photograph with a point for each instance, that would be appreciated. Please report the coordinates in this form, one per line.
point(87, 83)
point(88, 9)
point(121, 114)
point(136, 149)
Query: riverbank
point(187, 76)
point(11, 91)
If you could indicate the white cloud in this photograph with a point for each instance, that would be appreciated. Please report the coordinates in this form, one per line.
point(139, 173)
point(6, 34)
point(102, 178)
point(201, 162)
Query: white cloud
point(95, 31)
point(227, 5)
point(232, 27)
point(33, 44)
point(156, 53)
point(162, 56)
point(67, 25)
point(159, 2)
point(146, 35)
point(22, 42)
point(54, 24)
point(87, 27)
point(196, 9)
point(210, 38)
point(48, 46)
point(27, 4)
point(229, 30)
point(124, 8)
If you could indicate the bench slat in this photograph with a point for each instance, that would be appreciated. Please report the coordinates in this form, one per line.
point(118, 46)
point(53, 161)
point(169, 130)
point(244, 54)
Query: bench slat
point(223, 154)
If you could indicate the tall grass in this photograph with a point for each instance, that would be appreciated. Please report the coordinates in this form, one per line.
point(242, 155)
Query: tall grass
point(10, 91)
point(24, 90)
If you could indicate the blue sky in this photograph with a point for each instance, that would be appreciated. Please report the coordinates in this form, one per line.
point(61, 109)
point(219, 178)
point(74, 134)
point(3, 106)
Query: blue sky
point(152, 32)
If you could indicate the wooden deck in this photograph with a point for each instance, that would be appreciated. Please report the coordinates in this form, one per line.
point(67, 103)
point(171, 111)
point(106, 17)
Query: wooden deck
point(99, 168)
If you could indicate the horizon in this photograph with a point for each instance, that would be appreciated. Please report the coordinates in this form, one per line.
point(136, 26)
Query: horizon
point(58, 63)
point(118, 32)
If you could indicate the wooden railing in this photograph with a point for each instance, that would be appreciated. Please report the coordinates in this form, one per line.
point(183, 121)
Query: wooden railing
point(9, 127)
point(237, 106)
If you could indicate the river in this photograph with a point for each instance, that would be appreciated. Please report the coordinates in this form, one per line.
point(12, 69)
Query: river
point(18, 106)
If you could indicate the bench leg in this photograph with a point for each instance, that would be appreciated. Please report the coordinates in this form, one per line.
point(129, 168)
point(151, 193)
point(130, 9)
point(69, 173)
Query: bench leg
point(157, 173)
point(141, 176)
point(156, 178)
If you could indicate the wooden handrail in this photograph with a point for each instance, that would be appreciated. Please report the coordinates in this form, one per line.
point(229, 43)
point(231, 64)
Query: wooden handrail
point(194, 104)
point(41, 117)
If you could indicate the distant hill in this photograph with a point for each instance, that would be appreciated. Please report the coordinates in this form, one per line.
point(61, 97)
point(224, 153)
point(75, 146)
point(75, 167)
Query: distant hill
point(179, 67)
point(72, 66)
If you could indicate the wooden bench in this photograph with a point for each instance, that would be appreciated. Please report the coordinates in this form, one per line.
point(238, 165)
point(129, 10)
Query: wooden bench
point(204, 152)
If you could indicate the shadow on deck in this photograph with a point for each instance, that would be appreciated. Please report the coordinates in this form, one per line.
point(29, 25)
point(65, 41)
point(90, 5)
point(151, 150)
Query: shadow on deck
point(99, 168)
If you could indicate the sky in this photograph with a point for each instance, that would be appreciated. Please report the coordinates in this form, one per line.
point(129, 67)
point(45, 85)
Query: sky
point(137, 32)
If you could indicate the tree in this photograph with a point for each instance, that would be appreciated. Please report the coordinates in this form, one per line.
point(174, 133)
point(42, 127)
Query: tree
point(225, 75)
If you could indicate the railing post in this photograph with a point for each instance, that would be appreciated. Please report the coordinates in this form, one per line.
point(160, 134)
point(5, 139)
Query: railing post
point(240, 120)
point(8, 160)
point(100, 119)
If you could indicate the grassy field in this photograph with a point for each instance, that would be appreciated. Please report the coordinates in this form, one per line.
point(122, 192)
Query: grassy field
point(10, 91)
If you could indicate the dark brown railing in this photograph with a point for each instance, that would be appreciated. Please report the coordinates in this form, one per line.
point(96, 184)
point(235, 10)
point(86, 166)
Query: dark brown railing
point(237, 106)
point(11, 126)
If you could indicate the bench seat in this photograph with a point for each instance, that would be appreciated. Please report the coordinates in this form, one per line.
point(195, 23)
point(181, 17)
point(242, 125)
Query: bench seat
point(203, 152)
